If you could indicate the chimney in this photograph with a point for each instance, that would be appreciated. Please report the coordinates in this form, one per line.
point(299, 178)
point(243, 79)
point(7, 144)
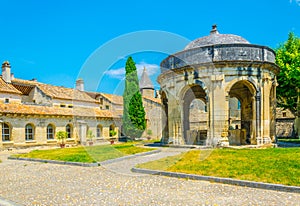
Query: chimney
point(80, 84)
point(6, 76)
point(214, 29)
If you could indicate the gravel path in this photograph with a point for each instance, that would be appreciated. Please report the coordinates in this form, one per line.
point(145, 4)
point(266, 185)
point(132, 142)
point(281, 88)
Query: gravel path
point(32, 183)
point(124, 167)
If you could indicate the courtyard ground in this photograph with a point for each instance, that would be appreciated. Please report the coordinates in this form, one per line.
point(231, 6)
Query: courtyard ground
point(32, 183)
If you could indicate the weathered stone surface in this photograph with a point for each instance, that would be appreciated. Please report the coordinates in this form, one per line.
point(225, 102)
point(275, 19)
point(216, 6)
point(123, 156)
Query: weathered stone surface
point(214, 72)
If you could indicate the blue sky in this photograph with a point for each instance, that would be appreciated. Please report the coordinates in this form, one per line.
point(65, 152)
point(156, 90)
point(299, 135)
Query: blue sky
point(57, 41)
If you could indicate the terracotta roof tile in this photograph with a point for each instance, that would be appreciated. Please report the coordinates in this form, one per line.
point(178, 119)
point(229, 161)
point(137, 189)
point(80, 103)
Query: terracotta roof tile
point(25, 89)
point(57, 91)
point(8, 88)
point(116, 99)
point(157, 100)
point(46, 110)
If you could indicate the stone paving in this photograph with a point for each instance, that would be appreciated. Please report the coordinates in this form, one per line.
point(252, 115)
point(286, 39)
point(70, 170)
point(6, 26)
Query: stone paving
point(32, 183)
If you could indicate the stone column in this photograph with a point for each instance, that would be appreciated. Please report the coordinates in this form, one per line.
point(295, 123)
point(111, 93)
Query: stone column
point(82, 132)
point(1, 133)
point(258, 118)
point(179, 134)
point(266, 111)
point(225, 134)
point(173, 135)
point(218, 110)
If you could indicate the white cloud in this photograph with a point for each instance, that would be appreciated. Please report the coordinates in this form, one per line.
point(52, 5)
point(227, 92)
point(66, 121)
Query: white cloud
point(116, 73)
point(297, 2)
point(120, 72)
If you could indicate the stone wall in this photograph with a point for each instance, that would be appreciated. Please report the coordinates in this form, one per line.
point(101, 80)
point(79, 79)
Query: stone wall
point(39, 122)
point(284, 123)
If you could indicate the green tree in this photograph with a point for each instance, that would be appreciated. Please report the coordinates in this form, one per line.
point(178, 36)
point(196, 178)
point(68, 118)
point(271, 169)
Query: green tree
point(134, 122)
point(288, 59)
point(62, 135)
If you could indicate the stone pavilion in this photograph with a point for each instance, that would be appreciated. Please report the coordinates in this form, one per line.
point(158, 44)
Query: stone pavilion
point(219, 90)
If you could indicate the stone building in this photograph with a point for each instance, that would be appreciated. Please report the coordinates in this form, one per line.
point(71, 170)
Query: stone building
point(152, 106)
point(217, 71)
point(32, 112)
point(285, 123)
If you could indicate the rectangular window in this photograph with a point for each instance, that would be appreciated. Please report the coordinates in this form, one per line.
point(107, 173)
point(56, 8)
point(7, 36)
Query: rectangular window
point(5, 132)
point(62, 105)
point(50, 132)
point(107, 107)
point(6, 101)
point(29, 134)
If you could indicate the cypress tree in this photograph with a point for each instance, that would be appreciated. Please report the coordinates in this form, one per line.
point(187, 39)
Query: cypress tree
point(134, 122)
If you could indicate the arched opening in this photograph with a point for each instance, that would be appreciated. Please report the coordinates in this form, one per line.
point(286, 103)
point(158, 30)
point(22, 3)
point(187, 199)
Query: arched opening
point(50, 131)
point(99, 130)
point(195, 115)
point(234, 113)
point(29, 132)
point(165, 118)
point(69, 130)
point(112, 130)
point(240, 120)
point(6, 131)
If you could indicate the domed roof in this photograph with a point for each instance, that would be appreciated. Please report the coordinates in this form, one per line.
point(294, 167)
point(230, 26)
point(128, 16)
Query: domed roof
point(216, 38)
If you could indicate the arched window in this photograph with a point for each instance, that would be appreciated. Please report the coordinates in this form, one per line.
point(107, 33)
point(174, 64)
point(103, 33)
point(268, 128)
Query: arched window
point(99, 130)
point(5, 132)
point(69, 131)
point(29, 132)
point(50, 131)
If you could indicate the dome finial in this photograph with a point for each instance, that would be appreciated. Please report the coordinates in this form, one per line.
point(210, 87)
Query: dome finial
point(214, 29)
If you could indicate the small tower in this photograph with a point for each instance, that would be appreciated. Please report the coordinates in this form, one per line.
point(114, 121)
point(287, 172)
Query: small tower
point(6, 75)
point(80, 84)
point(146, 86)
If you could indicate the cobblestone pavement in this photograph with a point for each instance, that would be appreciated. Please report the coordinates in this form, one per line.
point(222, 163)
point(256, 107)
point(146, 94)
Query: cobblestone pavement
point(32, 183)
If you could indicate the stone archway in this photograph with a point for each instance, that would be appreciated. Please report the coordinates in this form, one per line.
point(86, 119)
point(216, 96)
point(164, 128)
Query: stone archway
point(196, 134)
point(244, 91)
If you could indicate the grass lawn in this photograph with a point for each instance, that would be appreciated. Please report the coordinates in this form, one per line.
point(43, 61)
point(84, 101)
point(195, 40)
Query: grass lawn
point(86, 154)
point(273, 165)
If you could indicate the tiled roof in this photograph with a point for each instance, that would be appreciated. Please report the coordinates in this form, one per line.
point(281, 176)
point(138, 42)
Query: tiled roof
point(47, 110)
point(94, 95)
point(57, 91)
point(7, 88)
point(116, 99)
point(157, 100)
point(24, 89)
